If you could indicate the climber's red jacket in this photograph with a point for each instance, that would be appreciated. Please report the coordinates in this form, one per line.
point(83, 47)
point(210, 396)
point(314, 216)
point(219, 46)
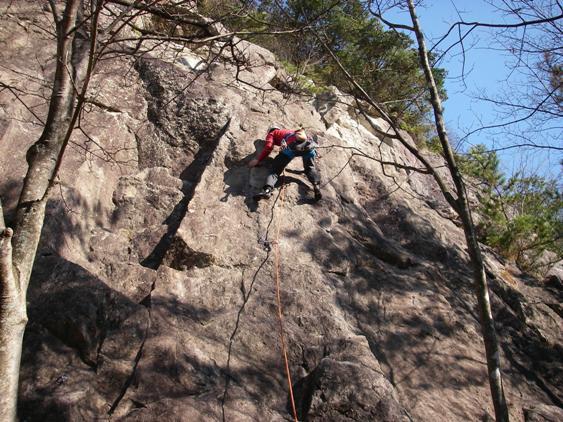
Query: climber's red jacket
point(275, 137)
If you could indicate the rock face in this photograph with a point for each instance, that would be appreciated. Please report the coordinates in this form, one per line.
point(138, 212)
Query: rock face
point(153, 294)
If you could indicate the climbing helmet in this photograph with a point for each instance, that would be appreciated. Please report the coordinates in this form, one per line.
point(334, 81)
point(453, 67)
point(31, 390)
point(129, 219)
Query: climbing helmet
point(273, 127)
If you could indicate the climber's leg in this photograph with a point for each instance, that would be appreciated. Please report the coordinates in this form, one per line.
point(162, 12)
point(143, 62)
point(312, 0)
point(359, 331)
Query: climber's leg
point(312, 172)
point(279, 164)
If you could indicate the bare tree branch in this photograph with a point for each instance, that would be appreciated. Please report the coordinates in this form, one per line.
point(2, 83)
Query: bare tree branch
point(444, 189)
point(492, 348)
point(53, 6)
point(524, 145)
point(81, 97)
point(476, 24)
point(358, 152)
point(14, 91)
point(535, 110)
point(390, 24)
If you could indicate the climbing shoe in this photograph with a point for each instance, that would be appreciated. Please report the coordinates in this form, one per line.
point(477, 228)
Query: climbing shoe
point(318, 194)
point(264, 194)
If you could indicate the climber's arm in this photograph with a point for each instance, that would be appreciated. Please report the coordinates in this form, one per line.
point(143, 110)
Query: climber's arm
point(265, 151)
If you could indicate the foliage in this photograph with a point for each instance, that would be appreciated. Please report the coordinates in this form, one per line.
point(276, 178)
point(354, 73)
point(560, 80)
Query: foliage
point(420, 131)
point(384, 62)
point(301, 83)
point(534, 222)
point(482, 165)
point(534, 79)
point(434, 145)
point(522, 216)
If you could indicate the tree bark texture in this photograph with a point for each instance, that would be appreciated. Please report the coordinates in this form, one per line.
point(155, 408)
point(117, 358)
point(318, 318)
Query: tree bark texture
point(13, 318)
point(43, 155)
point(18, 247)
point(492, 349)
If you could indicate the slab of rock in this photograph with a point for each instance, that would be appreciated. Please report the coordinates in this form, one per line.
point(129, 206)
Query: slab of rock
point(154, 296)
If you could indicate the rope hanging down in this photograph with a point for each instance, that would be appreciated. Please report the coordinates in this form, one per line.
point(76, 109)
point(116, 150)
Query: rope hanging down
point(280, 310)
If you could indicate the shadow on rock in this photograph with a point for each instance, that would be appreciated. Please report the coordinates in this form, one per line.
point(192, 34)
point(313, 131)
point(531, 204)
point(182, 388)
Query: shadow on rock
point(190, 177)
point(9, 192)
point(240, 180)
point(408, 290)
point(243, 181)
point(81, 333)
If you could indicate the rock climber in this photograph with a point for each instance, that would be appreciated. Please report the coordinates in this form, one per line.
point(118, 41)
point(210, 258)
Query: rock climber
point(293, 143)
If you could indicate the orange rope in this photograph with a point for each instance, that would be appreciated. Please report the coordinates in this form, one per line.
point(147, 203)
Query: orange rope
point(280, 310)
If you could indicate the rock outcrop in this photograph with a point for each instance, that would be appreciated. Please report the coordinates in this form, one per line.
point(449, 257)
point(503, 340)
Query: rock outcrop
point(153, 294)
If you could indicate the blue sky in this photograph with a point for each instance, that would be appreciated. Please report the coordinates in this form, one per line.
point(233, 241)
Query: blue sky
point(485, 72)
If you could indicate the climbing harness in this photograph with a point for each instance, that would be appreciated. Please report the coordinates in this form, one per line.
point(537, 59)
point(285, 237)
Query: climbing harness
point(306, 145)
point(280, 310)
point(283, 143)
point(292, 153)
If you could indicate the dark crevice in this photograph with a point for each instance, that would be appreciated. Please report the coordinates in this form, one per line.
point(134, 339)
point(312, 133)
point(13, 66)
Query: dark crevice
point(304, 391)
point(526, 349)
point(246, 292)
point(381, 357)
point(557, 308)
point(190, 177)
point(103, 336)
point(532, 376)
point(146, 302)
point(181, 257)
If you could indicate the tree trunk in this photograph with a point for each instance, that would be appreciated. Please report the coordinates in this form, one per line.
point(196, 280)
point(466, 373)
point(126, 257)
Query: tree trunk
point(488, 331)
point(43, 155)
point(18, 248)
point(13, 319)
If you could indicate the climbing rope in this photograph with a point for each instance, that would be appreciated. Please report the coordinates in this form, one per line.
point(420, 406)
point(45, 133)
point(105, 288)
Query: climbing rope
point(278, 298)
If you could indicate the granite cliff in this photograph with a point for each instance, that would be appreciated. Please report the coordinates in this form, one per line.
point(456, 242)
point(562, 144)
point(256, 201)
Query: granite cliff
point(153, 294)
